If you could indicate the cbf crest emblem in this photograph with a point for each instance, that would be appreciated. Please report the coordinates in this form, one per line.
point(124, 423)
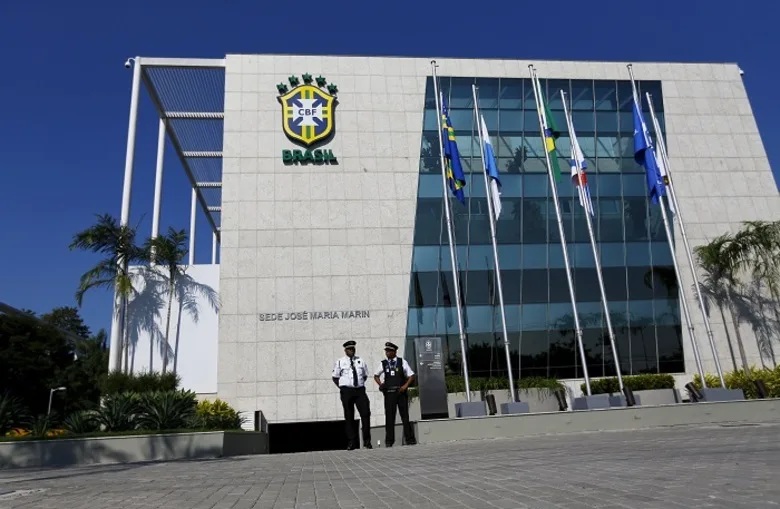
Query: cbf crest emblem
point(308, 110)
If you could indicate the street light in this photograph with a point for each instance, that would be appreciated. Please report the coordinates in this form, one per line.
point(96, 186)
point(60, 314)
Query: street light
point(51, 396)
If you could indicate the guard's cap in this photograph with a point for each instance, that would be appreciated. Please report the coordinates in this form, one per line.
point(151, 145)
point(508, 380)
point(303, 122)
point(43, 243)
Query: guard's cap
point(391, 346)
point(350, 344)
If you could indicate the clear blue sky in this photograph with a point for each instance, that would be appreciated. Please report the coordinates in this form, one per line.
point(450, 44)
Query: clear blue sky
point(64, 92)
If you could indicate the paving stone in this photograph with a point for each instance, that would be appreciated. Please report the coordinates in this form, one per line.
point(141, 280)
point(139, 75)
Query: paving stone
point(682, 467)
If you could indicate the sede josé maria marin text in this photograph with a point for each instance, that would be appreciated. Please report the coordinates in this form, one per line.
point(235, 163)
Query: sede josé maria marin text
point(314, 315)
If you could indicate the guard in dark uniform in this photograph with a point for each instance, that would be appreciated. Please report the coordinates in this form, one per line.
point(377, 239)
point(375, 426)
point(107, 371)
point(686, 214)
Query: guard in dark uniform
point(350, 374)
point(393, 375)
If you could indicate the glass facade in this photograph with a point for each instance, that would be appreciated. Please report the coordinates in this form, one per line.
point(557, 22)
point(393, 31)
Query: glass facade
point(640, 282)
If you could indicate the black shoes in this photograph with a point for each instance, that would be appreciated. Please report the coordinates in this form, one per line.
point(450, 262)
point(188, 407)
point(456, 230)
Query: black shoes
point(368, 446)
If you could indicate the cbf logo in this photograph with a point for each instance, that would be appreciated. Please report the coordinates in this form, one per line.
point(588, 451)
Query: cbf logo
point(307, 109)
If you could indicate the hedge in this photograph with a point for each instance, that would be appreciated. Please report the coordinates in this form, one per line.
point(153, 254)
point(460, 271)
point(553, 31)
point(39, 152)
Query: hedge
point(740, 380)
point(643, 382)
point(118, 382)
point(456, 383)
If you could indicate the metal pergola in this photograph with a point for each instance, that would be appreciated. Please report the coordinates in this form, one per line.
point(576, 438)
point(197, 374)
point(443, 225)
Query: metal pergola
point(189, 96)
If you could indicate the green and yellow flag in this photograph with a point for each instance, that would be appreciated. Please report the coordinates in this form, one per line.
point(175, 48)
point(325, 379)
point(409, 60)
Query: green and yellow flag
point(550, 135)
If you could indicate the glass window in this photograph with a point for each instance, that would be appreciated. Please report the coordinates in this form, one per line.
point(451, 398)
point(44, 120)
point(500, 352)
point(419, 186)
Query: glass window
point(664, 282)
point(534, 256)
point(625, 97)
point(510, 145)
point(510, 120)
point(596, 344)
point(586, 283)
point(609, 185)
point(430, 186)
point(660, 253)
point(582, 95)
point(535, 165)
point(637, 254)
point(655, 224)
point(430, 165)
point(535, 286)
point(635, 213)
point(610, 219)
point(428, 222)
point(607, 122)
point(583, 122)
point(460, 93)
point(640, 283)
point(508, 226)
point(430, 123)
point(487, 93)
point(511, 165)
point(654, 87)
point(529, 102)
point(554, 100)
point(634, 185)
point(533, 353)
point(430, 144)
point(588, 146)
point(612, 254)
point(536, 186)
point(463, 122)
point(670, 351)
point(606, 95)
point(614, 283)
point(511, 93)
point(426, 258)
point(531, 123)
point(559, 288)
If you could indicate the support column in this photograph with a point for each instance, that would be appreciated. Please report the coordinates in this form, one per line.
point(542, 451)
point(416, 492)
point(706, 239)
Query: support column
point(117, 322)
point(158, 175)
point(193, 211)
point(214, 248)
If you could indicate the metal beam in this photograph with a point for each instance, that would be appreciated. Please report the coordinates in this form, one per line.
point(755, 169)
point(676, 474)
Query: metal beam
point(200, 115)
point(177, 146)
point(206, 154)
point(212, 63)
point(209, 184)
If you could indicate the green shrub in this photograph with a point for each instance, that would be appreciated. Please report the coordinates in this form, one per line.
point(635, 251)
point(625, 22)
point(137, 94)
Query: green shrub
point(456, 383)
point(217, 415)
point(643, 382)
point(118, 412)
point(81, 422)
point(741, 380)
point(12, 413)
point(118, 383)
point(165, 410)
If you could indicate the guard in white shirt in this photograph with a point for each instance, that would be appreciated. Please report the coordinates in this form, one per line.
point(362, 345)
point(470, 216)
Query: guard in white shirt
point(393, 375)
point(350, 374)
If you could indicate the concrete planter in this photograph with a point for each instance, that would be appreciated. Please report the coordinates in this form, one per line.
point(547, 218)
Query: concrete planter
point(539, 400)
point(130, 449)
point(656, 397)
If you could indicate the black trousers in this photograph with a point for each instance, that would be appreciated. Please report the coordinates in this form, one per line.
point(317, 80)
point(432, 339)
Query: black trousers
point(396, 399)
point(351, 398)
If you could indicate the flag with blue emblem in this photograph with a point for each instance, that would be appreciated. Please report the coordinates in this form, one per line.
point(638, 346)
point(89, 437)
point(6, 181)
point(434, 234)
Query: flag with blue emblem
point(454, 171)
point(494, 189)
point(644, 154)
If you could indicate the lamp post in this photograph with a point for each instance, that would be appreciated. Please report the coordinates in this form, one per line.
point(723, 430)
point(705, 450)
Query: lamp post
point(51, 396)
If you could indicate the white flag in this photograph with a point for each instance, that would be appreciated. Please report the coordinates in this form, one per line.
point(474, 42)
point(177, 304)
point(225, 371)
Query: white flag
point(491, 170)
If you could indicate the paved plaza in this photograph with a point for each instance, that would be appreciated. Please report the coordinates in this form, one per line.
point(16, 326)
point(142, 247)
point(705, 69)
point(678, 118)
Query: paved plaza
point(719, 466)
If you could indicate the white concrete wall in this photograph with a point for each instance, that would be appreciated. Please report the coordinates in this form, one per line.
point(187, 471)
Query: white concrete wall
point(317, 238)
point(194, 323)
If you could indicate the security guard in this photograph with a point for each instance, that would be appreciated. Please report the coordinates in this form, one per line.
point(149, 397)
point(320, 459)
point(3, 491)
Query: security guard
point(350, 374)
point(393, 375)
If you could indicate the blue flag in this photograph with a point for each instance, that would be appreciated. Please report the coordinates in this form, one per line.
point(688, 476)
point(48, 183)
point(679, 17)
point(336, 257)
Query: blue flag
point(494, 189)
point(455, 177)
point(644, 154)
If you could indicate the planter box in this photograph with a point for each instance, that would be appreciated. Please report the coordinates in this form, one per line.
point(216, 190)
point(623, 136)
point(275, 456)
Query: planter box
point(130, 449)
point(539, 400)
point(656, 397)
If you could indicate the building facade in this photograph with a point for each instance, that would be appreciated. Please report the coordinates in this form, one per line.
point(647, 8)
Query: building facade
point(332, 220)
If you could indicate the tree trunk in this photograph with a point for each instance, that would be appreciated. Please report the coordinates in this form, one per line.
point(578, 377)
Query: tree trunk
point(735, 321)
point(728, 336)
point(167, 325)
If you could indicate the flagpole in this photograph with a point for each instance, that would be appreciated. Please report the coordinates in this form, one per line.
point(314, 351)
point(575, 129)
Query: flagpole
point(492, 218)
point(673, 197)
point(537, 97)
point(449, 235)
point(670, 241)
point(584, 200)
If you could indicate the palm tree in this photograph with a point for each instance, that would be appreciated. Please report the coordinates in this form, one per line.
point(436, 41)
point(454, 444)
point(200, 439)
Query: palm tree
point(168, 251)
point(761, 253)
point(117, 244)
point(721, 259)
